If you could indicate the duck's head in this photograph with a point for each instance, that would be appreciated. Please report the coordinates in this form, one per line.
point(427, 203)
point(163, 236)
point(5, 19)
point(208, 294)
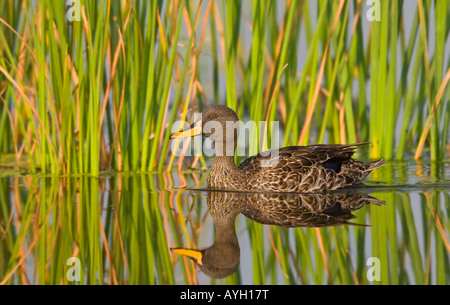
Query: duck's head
point(215, 261)
point(219, 123)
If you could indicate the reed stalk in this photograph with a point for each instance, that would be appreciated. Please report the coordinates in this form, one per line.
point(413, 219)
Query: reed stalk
point(100, 93)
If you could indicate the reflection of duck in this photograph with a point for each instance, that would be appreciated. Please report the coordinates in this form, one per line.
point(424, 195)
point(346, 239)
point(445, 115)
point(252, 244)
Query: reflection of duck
point(222, 258)
point(289, 169)
point(289, 210)
point(306, 210)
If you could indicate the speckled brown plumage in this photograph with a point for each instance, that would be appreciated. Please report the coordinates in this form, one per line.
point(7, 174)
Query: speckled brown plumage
point(311, 168)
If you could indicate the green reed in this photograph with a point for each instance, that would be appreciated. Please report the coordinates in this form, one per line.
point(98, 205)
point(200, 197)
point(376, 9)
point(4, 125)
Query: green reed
point(102, 93)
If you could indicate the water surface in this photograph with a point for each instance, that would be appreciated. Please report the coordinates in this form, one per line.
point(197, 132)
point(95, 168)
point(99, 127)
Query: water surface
point(119, 229)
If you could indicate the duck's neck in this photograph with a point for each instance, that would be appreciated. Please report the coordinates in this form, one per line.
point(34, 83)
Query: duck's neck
point(226, 244)
point(224, 151)
point(224, 207)
point(224, 162)
point(225, 175)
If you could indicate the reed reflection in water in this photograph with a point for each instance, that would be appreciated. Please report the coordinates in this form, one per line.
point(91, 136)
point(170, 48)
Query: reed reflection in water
point(121, 228)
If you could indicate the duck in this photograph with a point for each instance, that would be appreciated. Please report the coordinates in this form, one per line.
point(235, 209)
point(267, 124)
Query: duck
point(298, 169)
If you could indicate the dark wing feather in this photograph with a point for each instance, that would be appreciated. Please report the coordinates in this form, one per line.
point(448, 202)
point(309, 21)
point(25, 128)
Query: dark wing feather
point(304, 155)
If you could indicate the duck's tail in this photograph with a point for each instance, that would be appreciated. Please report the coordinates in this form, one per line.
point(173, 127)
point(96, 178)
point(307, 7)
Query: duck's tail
point(355, 171)
point(370, 166)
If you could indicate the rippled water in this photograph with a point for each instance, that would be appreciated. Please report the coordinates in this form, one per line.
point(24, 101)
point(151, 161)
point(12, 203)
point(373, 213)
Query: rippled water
point(121, 229)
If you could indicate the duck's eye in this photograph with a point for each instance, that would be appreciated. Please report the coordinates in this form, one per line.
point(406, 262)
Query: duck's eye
point(214, 116)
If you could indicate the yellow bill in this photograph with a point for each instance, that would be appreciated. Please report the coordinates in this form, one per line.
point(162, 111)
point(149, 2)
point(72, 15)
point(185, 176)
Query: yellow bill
point(193, 130)
point(196, 255)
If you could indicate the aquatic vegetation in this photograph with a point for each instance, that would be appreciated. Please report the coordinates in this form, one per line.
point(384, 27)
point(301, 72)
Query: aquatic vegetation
point(97, 85)
point(121, 229)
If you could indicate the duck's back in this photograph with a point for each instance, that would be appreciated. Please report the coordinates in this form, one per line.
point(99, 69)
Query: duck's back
point(306, 168)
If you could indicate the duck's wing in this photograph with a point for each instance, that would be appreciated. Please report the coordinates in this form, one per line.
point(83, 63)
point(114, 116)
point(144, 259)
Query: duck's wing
point(328, 155)
point(306, 168)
